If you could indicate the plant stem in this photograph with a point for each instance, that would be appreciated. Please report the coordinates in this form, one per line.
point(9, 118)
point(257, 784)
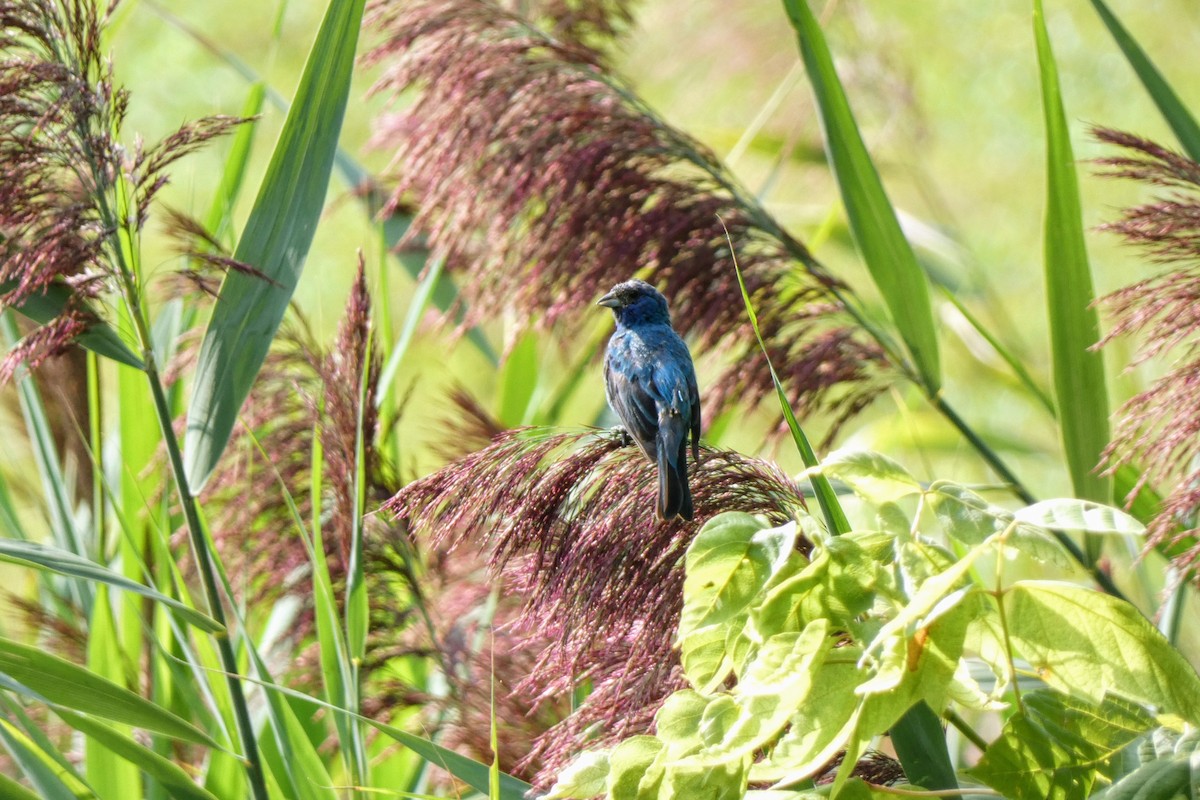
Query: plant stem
point(196, 534)
point(966, 730)
point(204, 563)
point(1014, 483)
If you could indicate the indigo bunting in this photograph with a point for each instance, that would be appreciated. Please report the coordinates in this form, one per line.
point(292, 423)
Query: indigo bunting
point(651, 384)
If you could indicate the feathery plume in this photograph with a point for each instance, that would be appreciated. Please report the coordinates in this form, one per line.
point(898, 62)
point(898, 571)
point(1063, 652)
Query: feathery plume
point(602, 580)
point(61, 165)
point(1160, 427)
point(542, 181)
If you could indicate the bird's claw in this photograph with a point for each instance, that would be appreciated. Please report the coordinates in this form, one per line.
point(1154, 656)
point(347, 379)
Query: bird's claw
point(622, 435)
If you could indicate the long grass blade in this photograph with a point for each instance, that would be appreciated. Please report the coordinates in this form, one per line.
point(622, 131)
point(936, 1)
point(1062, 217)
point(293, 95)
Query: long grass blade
point(887, 253)
point(169, 774)
point(47, 557)
point(108, 774)
point(1079, 384)
point(43, 773)
point(98, 337)
point(66, 684)
point(831, 507)
point(11, 790)
point(276, 239)
point(1182, 123)
point(467, 770)
point(444, 292)
point(54, 485)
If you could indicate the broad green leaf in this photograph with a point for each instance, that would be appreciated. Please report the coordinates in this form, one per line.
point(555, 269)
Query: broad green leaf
point(584, 777)
point(1059, 746)
point(1069, 514)
point(46, 557)
point(887, 253)
point(275, 241)
point(838, 585)
point(99, 337)
point(169, 775)
point(723, 781)
point(920, 745)
point(1091, 644)
point(775, 685)
point(819, 729)
point(1079, 385)
point(1187, 131)
point(873, 477)
point(728, 565)
point(635, 769)
point(75, 688)
point(964, 515)
point(1166, 779)
point(678, 722)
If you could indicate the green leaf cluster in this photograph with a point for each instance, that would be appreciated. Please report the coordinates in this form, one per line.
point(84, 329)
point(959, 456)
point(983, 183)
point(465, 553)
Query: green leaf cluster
point(799, 646)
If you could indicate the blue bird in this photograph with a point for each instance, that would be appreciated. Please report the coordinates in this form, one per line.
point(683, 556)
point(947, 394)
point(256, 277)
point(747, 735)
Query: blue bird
point(651, 384)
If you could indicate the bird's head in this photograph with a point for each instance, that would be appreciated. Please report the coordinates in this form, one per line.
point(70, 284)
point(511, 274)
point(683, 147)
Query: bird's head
point(636, 301)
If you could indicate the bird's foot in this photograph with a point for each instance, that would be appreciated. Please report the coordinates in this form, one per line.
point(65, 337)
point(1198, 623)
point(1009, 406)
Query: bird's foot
point(622, 435)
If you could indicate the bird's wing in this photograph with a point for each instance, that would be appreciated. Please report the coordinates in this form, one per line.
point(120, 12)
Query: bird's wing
point(626, 386)
point(675, 379)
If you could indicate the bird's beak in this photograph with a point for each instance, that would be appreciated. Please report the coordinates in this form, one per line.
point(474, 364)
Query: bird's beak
point(608, 301)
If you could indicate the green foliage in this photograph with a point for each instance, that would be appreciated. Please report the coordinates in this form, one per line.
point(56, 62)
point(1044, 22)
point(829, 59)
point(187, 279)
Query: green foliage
point(801, 643)
point(885, 250)
point(274, 242)
point(1079, 384)
point(792, 657)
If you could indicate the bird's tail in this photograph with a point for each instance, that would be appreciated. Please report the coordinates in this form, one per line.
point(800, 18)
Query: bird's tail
point(674, 495)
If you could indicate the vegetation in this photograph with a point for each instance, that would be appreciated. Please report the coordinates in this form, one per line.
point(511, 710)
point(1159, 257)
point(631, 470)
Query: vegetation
point(252, 554)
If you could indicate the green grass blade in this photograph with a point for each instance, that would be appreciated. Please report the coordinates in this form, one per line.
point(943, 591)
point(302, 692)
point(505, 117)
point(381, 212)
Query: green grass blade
point(108, 774)
point(54, 485)
point(887, 253)
point(46, 557)
point(1186, 129)
point(416, 310)
point(219, 220)
point(98, 337)
point(46, 775)
point(11, 790)
point(445, 293)
point(467, 770)
point(1079, 384)
point(66, 684)
point(337, 673)
point(831, 507)
point(275, 241)
point(170, 775)
point(1008, 356)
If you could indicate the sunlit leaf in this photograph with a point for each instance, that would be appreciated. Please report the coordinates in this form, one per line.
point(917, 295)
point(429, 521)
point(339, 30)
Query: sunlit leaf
point(1069, 514)
point(1079, 385)
point(275, 241)
point(1091, 644)
point(884, 248)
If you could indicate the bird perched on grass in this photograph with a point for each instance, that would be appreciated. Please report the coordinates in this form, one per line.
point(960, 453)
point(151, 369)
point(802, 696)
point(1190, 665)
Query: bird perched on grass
point(651, 384)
